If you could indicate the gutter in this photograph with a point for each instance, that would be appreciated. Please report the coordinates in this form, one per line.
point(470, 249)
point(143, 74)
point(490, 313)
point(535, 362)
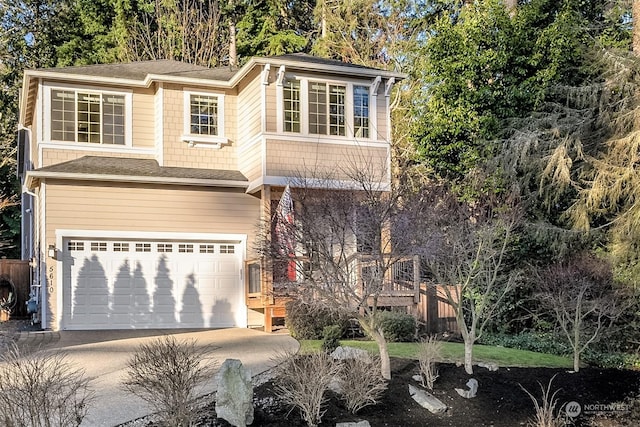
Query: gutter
point(32, 177)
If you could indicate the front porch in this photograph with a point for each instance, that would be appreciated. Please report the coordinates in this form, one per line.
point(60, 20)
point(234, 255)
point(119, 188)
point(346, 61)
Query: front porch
point(400, 288)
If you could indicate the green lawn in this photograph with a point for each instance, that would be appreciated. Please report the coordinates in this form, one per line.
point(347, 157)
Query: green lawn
point(453, 352)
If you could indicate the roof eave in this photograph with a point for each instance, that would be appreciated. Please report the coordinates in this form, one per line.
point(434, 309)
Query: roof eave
point(32, 178)
point(311, 66)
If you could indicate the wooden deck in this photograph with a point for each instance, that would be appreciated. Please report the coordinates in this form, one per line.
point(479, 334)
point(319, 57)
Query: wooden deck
point(400, 289)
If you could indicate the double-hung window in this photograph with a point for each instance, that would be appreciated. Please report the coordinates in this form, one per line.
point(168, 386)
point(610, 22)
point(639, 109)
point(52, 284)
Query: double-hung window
point(88, 117)
point(361, 111)
point(204, 118)
point(291, 107)
point(203, 115)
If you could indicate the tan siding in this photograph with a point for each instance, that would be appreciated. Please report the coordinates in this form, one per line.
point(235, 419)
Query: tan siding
point(177, 153)
point(271, 108)
point(251, 162)
point(289, 158)
point(33, 142)
point(150, 208)
point(382, 126)
point(143, 118)
point(51, 156)
point(249, 111)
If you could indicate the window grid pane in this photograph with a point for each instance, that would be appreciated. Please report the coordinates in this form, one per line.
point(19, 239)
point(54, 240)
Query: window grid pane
point(89, 118)
point(291, 106)
point(336, 110)
point(317, 108)
point(227, 249)
point(207, 249)
point(113, 119)
point(204, 115)
point(361, 111)
point(63, 115)
point(185, 248)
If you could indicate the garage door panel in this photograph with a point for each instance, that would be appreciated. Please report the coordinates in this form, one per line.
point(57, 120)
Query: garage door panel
point(137, 287)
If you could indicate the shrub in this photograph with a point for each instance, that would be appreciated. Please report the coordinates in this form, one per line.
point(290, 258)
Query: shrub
point(41, 389)
point(331, 337)
point(429, 351)
point(165, 373)
point(361, 383)
point(302, 381)
point(306, 321)
point(541, 342)
point(397, 326)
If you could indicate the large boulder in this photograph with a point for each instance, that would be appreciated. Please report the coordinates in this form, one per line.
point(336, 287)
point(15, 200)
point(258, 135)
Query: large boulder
point(342, 353)
point(427, 400)
point(234, 398)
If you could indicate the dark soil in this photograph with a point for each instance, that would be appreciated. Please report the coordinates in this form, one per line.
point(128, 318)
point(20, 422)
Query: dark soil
point(500, 400)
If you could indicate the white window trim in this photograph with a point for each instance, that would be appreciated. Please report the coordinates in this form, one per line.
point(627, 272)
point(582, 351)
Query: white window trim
point(206, 141)
point(304, 108)
point(128, 126)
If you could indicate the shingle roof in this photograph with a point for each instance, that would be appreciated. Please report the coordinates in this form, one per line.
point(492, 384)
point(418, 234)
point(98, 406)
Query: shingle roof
point(304, 57)
point(111, 166)
point(140, 70)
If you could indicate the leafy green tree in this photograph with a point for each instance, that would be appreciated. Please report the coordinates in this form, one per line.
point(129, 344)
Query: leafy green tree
point(482, 65)
point(31, 31)
point(275, 27)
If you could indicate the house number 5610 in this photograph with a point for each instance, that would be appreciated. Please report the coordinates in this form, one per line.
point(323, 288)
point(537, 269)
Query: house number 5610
point(50, 280)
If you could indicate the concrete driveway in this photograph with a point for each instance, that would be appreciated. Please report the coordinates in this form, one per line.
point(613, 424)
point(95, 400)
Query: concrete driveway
point(103, 356)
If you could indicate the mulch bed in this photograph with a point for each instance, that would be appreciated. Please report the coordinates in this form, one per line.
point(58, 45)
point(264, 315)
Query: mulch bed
point(500, 400)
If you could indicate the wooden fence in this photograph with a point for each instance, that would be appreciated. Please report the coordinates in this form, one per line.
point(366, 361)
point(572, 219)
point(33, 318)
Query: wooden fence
point(15, 275)
point(435, 311)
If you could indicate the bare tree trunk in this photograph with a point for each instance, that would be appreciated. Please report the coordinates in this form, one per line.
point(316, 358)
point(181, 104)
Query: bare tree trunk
point(635, 13)
point(233, 53)
point(469, 339)
point(368, 324)
point(385, 361)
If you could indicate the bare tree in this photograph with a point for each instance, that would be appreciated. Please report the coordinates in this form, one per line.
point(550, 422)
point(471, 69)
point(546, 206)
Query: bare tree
point(465, 248)
point(347, 240)
point(186, 30)
point(582, 298)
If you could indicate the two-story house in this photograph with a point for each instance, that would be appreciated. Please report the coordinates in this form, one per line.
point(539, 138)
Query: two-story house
point(144, 183)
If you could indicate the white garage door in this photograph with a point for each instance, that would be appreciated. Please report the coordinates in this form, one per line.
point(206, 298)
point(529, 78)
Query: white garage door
point(128, 284)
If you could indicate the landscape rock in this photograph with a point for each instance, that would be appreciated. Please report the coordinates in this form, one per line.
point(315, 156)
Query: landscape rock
point(363, 423)
point(417, 378)
point(473, 389)
point(427, 400)
point(342, 353)
point(489, 365)
point(234, 398)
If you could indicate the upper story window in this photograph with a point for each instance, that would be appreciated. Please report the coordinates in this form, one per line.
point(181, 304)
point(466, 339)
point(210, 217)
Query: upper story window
point(204, 118)
point(203, 114)
point(322, 108)
point(361, 111)
point(88, 116)
point(291, 95)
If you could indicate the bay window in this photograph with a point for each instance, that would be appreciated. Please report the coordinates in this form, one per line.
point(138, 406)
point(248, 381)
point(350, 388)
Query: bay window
point(322, 108)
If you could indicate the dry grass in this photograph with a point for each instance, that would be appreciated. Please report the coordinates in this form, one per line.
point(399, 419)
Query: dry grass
point(429, 351)
point(41, 389)
point(165, 374)
point(546, 414)
point(302, 381)
point(361, 383)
